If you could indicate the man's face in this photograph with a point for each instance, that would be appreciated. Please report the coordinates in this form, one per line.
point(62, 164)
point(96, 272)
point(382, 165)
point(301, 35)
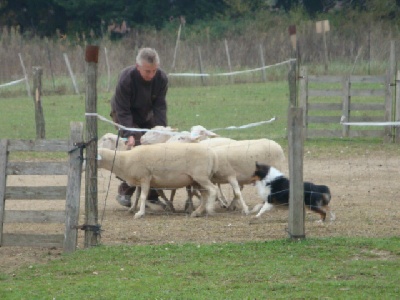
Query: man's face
point(147, 71)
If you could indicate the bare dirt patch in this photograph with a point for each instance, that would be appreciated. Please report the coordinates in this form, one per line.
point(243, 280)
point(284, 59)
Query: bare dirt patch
point(365, 193)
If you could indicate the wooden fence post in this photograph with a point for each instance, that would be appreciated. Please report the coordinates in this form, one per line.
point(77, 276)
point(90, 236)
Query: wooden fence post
point(295, 142)
point(176, 46)
point(201, 66)
point(37, 100)
point(91, 203)
point(264, 74)
point(73, 191)
point(3, 182)
point(390, 77)
point(71, 73)
point(28, 88)
point(108, 70)
point(228, 56)
point(296, 226)
point(397, 114)
point(303, 96)
point(292, 84)
point(346, 104)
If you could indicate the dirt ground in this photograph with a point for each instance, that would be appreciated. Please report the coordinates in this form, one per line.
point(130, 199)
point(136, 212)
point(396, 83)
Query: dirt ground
point(365, 199)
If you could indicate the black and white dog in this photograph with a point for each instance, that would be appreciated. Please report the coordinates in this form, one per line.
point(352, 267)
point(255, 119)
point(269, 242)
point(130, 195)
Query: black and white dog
point(273, 188)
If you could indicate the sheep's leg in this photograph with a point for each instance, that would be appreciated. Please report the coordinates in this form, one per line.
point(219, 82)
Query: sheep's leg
point(165, 200)
point(192, 190)
point(234, 203)
point(221, 197)
point(172, 196)
point(208, 194)
point(145, 187)
point(135, 201)
point(189, 201)
point(238, 195)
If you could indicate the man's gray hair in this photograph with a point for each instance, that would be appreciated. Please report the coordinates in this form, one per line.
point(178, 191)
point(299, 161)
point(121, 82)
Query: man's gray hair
point(148, 55)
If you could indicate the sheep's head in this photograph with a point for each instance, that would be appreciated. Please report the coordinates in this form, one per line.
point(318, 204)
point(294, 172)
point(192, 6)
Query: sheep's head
point(200, 133)
point(158, 134)
point(109, 141)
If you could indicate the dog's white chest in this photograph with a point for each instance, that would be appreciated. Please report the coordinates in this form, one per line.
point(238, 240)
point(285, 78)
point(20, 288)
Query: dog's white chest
point(263, 190)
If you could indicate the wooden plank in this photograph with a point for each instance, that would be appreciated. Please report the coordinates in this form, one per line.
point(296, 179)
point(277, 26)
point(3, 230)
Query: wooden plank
point(38, 145)
point(325, 106)
point(34, 216)
point(367, 133)
point(367, 119)
point(367, 79)
point(324, 119)
point(3, 181)
point(324, 133)
point(367, 106)
point(37, 168)
point(324, 79)
point(72, 202)
point(33, 240)
point(325, 93)
point(36, 192)
point(367, 93)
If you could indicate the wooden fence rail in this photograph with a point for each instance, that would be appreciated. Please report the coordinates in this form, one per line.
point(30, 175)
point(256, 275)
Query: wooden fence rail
point(70, 192)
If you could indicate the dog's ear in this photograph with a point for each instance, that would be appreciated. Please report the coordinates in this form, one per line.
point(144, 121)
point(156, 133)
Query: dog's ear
point(257, 166)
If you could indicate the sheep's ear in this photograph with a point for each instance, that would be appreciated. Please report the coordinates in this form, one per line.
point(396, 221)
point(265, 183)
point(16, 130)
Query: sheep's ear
point(212, 134)
point(99, 157)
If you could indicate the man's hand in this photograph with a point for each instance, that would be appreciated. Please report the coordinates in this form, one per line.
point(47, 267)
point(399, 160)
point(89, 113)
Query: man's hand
point(131, 141)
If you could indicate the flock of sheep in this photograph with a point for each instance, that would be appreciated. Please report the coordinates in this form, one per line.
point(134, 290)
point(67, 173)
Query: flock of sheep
point(198, 160)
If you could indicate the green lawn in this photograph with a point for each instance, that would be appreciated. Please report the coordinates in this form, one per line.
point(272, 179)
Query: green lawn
point(334, 268)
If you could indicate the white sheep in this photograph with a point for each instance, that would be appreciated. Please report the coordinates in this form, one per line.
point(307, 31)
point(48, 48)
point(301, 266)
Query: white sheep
point(242, 155)
point(173, 165)
point(157, 134)
point(163, 134)
point(236, 161)
point(169, 135)
point(109, 141)
point(199, 133)
point(180, 137)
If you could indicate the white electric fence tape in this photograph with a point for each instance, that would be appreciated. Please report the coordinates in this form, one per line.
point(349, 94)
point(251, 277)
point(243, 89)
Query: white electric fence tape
point(231, 73)
point(171, 132)
point(12, 82)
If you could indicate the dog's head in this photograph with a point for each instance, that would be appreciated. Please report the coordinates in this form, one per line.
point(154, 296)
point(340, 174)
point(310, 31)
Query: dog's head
point(260, 173)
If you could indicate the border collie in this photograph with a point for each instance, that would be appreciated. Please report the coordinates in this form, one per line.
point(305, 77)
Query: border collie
point(273, 188)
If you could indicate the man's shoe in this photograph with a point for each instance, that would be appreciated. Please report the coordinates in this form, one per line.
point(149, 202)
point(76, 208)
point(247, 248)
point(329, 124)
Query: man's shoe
point(124, 200)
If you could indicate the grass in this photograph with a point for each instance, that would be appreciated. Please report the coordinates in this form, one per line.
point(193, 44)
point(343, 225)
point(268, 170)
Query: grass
point(334, 268)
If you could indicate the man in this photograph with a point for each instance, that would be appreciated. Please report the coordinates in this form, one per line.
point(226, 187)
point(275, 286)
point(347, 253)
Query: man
point(140, 102)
